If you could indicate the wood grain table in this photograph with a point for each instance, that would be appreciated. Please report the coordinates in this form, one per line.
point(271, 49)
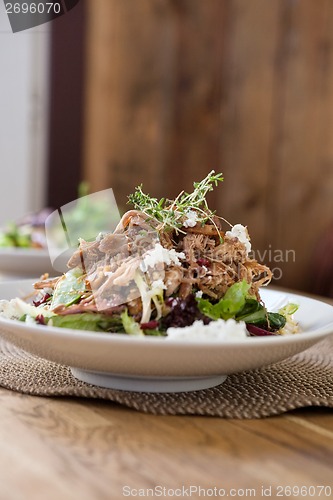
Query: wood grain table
point(61, 448)
point(87, 450)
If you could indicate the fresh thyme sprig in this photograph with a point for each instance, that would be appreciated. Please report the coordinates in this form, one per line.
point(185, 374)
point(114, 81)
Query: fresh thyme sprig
point(172, 213)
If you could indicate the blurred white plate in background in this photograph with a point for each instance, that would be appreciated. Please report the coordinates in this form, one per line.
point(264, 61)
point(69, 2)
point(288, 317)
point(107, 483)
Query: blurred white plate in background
point(27, 262)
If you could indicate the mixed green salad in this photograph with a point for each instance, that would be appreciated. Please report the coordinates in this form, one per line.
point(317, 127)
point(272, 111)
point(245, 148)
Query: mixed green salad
point(29, 231)
point(169, 264)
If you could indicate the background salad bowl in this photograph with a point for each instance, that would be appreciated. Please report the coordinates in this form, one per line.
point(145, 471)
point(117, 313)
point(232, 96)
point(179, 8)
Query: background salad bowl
point(162, 364)
point(23, 248)
point(25, 262)
point(38, 244)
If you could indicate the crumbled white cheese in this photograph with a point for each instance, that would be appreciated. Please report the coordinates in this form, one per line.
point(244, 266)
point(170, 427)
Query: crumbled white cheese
point(239, 231)
point(100, 236)
point(158, 285)
point(199, 294)
point(192, 219)
point(160, 254)
point(30, 320)
point(220, 330)
point(3, 305)
point(16, 308)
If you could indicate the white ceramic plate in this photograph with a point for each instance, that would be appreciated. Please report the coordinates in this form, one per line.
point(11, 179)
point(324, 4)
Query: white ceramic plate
point(25, 262)
point(158, 364)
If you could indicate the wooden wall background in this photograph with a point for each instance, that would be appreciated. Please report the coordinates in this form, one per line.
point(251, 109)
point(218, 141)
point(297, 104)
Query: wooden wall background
point(176, 88)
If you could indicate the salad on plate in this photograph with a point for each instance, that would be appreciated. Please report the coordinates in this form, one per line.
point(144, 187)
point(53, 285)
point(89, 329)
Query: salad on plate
point(171, 268)
point(28, 232)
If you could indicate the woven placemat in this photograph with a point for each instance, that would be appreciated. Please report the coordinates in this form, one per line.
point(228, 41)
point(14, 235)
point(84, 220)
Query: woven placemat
point(302, 380)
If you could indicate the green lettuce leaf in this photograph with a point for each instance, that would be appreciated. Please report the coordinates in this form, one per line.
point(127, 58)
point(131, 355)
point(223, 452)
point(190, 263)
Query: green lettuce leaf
point(69, 289)
point(239, 305)
point(289, 309)
point(231, 304)
point(89, 321)
point(276, 320)
point(130, 325)
point(252, 312)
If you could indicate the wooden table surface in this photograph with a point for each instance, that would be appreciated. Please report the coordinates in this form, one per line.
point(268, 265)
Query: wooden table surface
point(73, 449)
point(61, 448)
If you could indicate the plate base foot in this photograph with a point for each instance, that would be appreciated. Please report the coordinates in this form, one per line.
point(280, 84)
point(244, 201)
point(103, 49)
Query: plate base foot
point(147, 384)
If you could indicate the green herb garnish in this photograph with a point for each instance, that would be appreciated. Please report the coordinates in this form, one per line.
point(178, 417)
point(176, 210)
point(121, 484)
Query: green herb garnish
point(171, 214)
